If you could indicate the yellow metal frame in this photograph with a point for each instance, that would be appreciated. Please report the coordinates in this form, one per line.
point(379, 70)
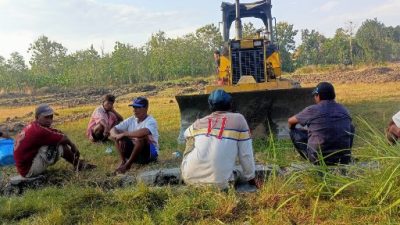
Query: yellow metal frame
point(225, 70)
point(270, 85)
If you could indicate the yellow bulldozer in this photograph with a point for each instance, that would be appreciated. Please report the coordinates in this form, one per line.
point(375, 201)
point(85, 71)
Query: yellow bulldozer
point(250, 69)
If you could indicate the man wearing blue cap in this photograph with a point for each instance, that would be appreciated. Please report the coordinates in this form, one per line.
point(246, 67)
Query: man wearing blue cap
point(329, 130)
point(136, 138)
point(213, 144)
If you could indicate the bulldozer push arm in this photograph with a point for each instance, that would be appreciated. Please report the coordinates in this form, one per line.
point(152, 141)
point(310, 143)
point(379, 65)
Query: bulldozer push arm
point(250, 69)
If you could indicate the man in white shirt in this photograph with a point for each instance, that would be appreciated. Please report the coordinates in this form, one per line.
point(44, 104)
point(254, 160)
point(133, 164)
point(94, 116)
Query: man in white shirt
point(393, 129)
point(136, 138)
point(214, 142)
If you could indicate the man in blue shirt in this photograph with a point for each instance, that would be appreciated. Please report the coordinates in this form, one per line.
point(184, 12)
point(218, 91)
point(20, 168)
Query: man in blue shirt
point(328, 129)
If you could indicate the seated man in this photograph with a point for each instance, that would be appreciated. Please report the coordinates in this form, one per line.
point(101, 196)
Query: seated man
point(329, 129)
point(136, 138)
point(213, 144)
point(38, 146)
point(393, 129)
point(103, 119)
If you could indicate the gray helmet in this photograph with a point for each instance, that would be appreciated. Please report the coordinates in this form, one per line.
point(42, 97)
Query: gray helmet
point(219, 100)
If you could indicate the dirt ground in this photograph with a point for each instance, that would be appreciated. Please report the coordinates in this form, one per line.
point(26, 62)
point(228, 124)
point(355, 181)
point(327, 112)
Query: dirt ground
point(382, 74)
point(72, 98)
point(63, 98)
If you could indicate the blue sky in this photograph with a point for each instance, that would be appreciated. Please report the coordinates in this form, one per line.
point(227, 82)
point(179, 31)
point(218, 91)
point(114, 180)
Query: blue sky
point(79, 23)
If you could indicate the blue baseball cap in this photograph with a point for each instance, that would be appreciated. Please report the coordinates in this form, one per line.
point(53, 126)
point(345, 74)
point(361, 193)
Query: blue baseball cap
point(219, 99)
point(139, 102)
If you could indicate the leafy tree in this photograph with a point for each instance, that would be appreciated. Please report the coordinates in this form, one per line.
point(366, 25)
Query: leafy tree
point(127, 63)
point(47, 57)
point(210, 36)
point(310, 51)
point(82, 67)
point(17, 70)
point(3, 73)
point(393, 33)
point(336, 50)
point(372, 38)
point(286, 43)
point(249, 31)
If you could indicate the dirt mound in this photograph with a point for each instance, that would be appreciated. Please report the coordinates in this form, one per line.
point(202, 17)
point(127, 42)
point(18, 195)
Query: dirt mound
point(369, 75)
point(88, 95)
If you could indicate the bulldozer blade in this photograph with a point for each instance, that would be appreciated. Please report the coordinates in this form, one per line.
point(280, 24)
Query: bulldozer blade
point(266, 111)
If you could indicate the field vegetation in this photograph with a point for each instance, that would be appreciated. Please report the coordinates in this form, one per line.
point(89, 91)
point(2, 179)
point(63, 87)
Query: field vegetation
point(52, 66)
point(366, 194)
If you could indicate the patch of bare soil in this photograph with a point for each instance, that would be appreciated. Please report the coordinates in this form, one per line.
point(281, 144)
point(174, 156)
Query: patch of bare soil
point(72, 98)
point(368, 75)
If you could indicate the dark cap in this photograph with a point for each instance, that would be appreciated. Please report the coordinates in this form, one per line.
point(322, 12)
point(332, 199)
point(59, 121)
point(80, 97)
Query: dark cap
point(43, 110)
point(325, 90)
point(219, 100)
point(139, 102)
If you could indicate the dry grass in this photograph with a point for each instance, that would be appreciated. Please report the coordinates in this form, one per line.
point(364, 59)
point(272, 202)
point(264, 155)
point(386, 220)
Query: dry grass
point(305, 200)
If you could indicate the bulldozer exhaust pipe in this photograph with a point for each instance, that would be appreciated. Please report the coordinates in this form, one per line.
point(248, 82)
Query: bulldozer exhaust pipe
point(238, 22)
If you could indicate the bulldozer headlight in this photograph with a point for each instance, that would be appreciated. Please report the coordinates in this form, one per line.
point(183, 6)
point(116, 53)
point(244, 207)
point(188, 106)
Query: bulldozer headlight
point(258, 43)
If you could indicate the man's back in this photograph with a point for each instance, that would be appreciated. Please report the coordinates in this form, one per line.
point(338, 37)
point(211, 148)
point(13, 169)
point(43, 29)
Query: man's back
point(329, 125)
point(218, 140)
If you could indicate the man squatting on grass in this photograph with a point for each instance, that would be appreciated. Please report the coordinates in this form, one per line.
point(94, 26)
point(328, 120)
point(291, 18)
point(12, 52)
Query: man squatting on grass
point(393, 129)
point(38, 146)
point(103, 119)
point(214, 142)
point(329, 129)
point(136, 138)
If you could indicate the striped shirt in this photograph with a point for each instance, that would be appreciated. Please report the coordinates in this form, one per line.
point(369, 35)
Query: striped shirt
point(219, 139)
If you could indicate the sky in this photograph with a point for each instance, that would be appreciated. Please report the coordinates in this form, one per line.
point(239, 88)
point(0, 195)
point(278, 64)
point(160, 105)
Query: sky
point(77, 24)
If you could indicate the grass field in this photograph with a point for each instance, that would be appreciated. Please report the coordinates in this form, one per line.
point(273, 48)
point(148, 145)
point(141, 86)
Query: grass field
point(314, 196)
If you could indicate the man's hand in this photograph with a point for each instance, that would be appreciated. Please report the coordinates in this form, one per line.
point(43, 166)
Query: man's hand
point(119, 136)
point(123, 168)
point(106, 133)
point(292, 121)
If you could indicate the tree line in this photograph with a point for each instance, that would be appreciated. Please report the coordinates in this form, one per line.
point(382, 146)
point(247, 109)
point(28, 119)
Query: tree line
point(163, 58)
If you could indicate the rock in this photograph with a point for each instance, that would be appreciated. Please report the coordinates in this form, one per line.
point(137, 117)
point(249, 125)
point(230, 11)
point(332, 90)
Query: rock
point(127, 180)
point(161, 177)
point(18, 184)
point(172, 176)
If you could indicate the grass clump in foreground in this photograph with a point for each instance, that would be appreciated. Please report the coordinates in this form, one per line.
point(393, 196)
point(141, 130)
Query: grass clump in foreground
point(317, 195)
